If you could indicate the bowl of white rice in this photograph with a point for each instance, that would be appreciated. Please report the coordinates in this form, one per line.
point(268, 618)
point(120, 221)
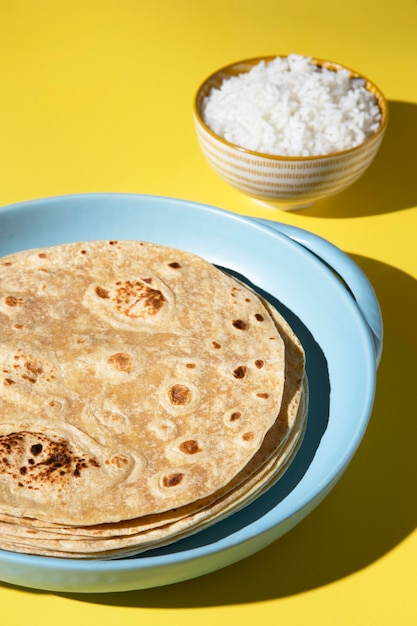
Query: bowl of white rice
point(289, 130)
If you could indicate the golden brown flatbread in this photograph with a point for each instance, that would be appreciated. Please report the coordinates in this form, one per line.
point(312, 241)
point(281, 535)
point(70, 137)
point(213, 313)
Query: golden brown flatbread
point(144, 395)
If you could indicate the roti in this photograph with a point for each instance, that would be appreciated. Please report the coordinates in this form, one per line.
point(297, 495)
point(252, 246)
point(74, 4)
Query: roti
point(145, 395)
point(130, 370)
point(136, 536)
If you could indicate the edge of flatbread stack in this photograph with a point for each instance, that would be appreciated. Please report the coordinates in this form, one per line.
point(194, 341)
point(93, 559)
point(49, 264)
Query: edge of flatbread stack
point(144, 395)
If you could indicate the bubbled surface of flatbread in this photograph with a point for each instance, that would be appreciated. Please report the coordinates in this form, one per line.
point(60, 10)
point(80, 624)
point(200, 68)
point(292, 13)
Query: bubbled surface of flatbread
point(134, 379)
point(141, 534)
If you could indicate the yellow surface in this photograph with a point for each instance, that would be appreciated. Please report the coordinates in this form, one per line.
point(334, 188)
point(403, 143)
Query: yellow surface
point(97, 96)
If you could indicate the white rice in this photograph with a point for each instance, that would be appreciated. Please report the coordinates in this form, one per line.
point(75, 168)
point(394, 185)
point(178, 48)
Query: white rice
point(290, 107)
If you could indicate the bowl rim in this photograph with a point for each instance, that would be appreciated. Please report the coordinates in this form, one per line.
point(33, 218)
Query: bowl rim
point(232, 68)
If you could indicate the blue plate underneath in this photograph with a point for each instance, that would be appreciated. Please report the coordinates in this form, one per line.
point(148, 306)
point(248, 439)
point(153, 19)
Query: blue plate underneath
point(341, 368)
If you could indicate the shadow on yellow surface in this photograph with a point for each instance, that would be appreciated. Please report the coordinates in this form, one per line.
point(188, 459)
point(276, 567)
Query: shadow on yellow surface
point(368, 513)
point(390, 182)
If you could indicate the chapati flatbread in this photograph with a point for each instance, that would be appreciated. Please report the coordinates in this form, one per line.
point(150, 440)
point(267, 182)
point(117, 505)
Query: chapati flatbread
point(129, 370)
point(127, 363)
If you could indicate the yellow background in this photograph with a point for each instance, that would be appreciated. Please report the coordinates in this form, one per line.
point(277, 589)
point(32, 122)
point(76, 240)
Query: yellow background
point(97, 96)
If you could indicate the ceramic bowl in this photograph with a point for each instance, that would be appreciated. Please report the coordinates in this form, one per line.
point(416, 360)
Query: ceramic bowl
point(286, 182)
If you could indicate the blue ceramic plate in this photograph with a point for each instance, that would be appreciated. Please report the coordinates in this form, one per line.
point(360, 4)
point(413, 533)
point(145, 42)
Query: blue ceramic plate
point(324, 296)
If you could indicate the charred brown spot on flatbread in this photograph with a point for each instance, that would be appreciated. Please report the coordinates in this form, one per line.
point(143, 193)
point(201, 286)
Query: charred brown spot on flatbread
point(36, 449)
point(189, 447)
point(119, 460)
point(249, 436)
point(240, 371)
point(102, 293)
point(129, 294)
point(179, 395)
point(34, 368)
point(39, 460)
point(121, 361)
point(240, 324)
point(13, 301)
point(172, 480)
point(29, 368)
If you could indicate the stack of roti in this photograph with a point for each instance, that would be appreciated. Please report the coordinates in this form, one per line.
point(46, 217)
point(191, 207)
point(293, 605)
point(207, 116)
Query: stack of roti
point(144, 395)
